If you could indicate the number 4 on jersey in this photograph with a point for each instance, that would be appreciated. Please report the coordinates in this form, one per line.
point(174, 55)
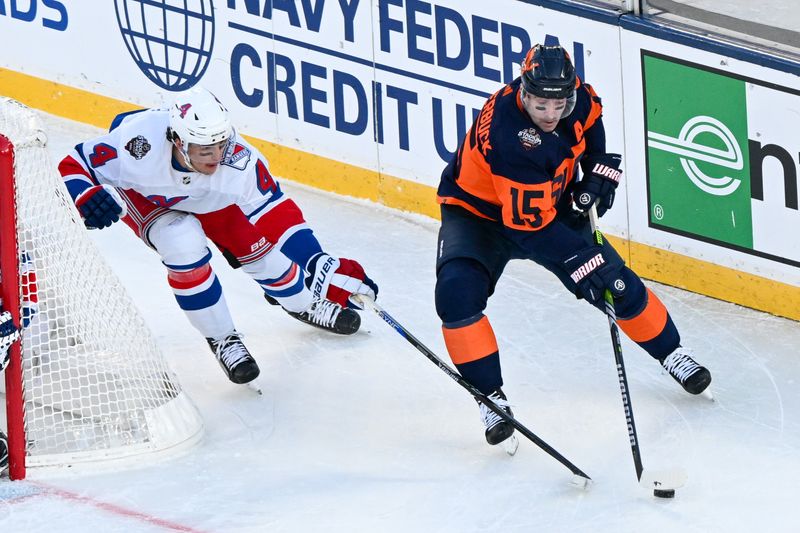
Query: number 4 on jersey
point(266, 183)
point(102, 154)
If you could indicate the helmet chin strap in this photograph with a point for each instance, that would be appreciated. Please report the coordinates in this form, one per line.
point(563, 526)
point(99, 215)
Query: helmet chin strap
point(184, 151)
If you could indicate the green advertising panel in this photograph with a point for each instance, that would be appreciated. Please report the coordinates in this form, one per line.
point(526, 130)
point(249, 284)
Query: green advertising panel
point(697, 152)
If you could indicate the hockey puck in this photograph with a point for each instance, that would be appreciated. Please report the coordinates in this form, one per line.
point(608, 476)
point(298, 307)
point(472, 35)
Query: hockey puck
point(668, 493)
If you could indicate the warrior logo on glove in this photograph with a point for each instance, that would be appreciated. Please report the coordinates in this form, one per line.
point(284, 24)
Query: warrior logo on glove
point(608, 172)
point(595, 269)
point(587, 268)
point(599, 184)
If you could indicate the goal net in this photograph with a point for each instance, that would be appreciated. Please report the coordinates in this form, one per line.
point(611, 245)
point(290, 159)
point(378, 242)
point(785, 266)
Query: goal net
point(87, 382)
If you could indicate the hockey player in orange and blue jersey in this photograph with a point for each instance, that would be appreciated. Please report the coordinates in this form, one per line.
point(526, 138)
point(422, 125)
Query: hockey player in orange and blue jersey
point(513, 191)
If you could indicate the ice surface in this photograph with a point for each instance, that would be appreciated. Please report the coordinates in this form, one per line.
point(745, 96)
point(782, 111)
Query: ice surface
point(363, 434)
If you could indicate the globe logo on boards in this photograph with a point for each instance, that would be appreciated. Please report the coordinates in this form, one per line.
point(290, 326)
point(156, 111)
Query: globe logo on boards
point(689, 150)
point(170, 42)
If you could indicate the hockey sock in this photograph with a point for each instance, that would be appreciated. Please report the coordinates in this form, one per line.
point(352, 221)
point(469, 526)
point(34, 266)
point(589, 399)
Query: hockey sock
point(472, 346)
point(199, 293)
point(652, 328)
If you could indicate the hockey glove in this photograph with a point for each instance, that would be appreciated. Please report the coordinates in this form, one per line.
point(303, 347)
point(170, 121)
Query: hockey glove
point(8, 335)
point(100, 206)
point(595, 269)
point(338, 279)
point(599, 183)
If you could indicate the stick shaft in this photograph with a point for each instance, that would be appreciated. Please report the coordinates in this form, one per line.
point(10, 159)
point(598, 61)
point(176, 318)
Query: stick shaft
point(617, 345)
point(455, 376)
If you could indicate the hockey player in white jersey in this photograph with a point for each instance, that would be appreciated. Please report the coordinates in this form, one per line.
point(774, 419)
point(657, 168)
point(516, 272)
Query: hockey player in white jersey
point(182, 175)
point(9, 333)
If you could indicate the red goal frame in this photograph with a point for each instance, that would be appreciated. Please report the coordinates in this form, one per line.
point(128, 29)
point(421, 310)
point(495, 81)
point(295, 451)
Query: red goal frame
point(9, 290)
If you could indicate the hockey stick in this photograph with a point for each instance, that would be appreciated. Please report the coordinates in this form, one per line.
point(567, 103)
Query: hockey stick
point(664, 482)
point(579, 479)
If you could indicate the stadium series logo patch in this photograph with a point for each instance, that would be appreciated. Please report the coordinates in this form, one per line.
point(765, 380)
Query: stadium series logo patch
point(138, 147)
point(529, 138)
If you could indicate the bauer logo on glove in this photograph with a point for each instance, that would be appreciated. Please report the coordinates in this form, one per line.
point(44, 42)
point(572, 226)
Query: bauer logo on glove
point(338, 279)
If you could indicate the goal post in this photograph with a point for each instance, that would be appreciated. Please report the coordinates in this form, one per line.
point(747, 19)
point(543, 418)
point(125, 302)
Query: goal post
point(86, 383)
point(10, 297)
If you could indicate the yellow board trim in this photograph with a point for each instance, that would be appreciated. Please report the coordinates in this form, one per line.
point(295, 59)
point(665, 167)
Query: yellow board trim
point(341, 178)
point(327, 174)
point(702, 277)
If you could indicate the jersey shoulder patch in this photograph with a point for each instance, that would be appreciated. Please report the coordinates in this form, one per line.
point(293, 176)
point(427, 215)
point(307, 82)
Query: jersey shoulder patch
point(238, 156)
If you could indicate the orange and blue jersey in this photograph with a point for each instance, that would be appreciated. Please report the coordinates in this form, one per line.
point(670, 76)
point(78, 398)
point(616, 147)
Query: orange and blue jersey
point(510, 171)
point(506, 194)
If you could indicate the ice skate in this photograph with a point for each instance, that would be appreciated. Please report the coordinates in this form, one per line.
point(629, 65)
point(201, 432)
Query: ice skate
point(235, 360)
point(330, 316)
point(497, 429)
point(693, 377)
point(326, 315)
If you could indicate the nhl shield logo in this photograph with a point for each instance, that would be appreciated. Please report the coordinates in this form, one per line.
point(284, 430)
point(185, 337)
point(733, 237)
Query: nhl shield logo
point(138, 147)
point(529, 138)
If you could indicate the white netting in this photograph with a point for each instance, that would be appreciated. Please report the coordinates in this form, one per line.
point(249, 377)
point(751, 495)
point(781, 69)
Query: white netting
point(95, 385)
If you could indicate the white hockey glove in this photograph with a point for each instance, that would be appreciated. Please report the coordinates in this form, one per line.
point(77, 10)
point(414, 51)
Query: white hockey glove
point(8, 335)
point(338, 279)
point(100, 206)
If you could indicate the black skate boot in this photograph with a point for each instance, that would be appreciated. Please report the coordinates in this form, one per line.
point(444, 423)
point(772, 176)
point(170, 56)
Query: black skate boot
point(235, 360)
point(323, 314)
point(330, 316)
point(497, 429)
point(693, 378)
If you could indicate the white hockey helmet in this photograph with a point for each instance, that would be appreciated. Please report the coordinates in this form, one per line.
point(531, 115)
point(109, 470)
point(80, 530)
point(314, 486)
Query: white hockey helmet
point(197, 117)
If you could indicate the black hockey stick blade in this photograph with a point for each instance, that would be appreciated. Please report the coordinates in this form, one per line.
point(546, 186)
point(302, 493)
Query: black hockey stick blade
point(580, 478)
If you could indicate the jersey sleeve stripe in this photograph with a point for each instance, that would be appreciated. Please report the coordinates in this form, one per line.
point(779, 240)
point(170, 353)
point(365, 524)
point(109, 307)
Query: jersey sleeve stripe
point(85, 164)
point(76, 177)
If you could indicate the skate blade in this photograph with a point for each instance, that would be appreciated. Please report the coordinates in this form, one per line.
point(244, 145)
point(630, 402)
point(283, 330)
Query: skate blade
point(510, 445)
point(253, 386)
